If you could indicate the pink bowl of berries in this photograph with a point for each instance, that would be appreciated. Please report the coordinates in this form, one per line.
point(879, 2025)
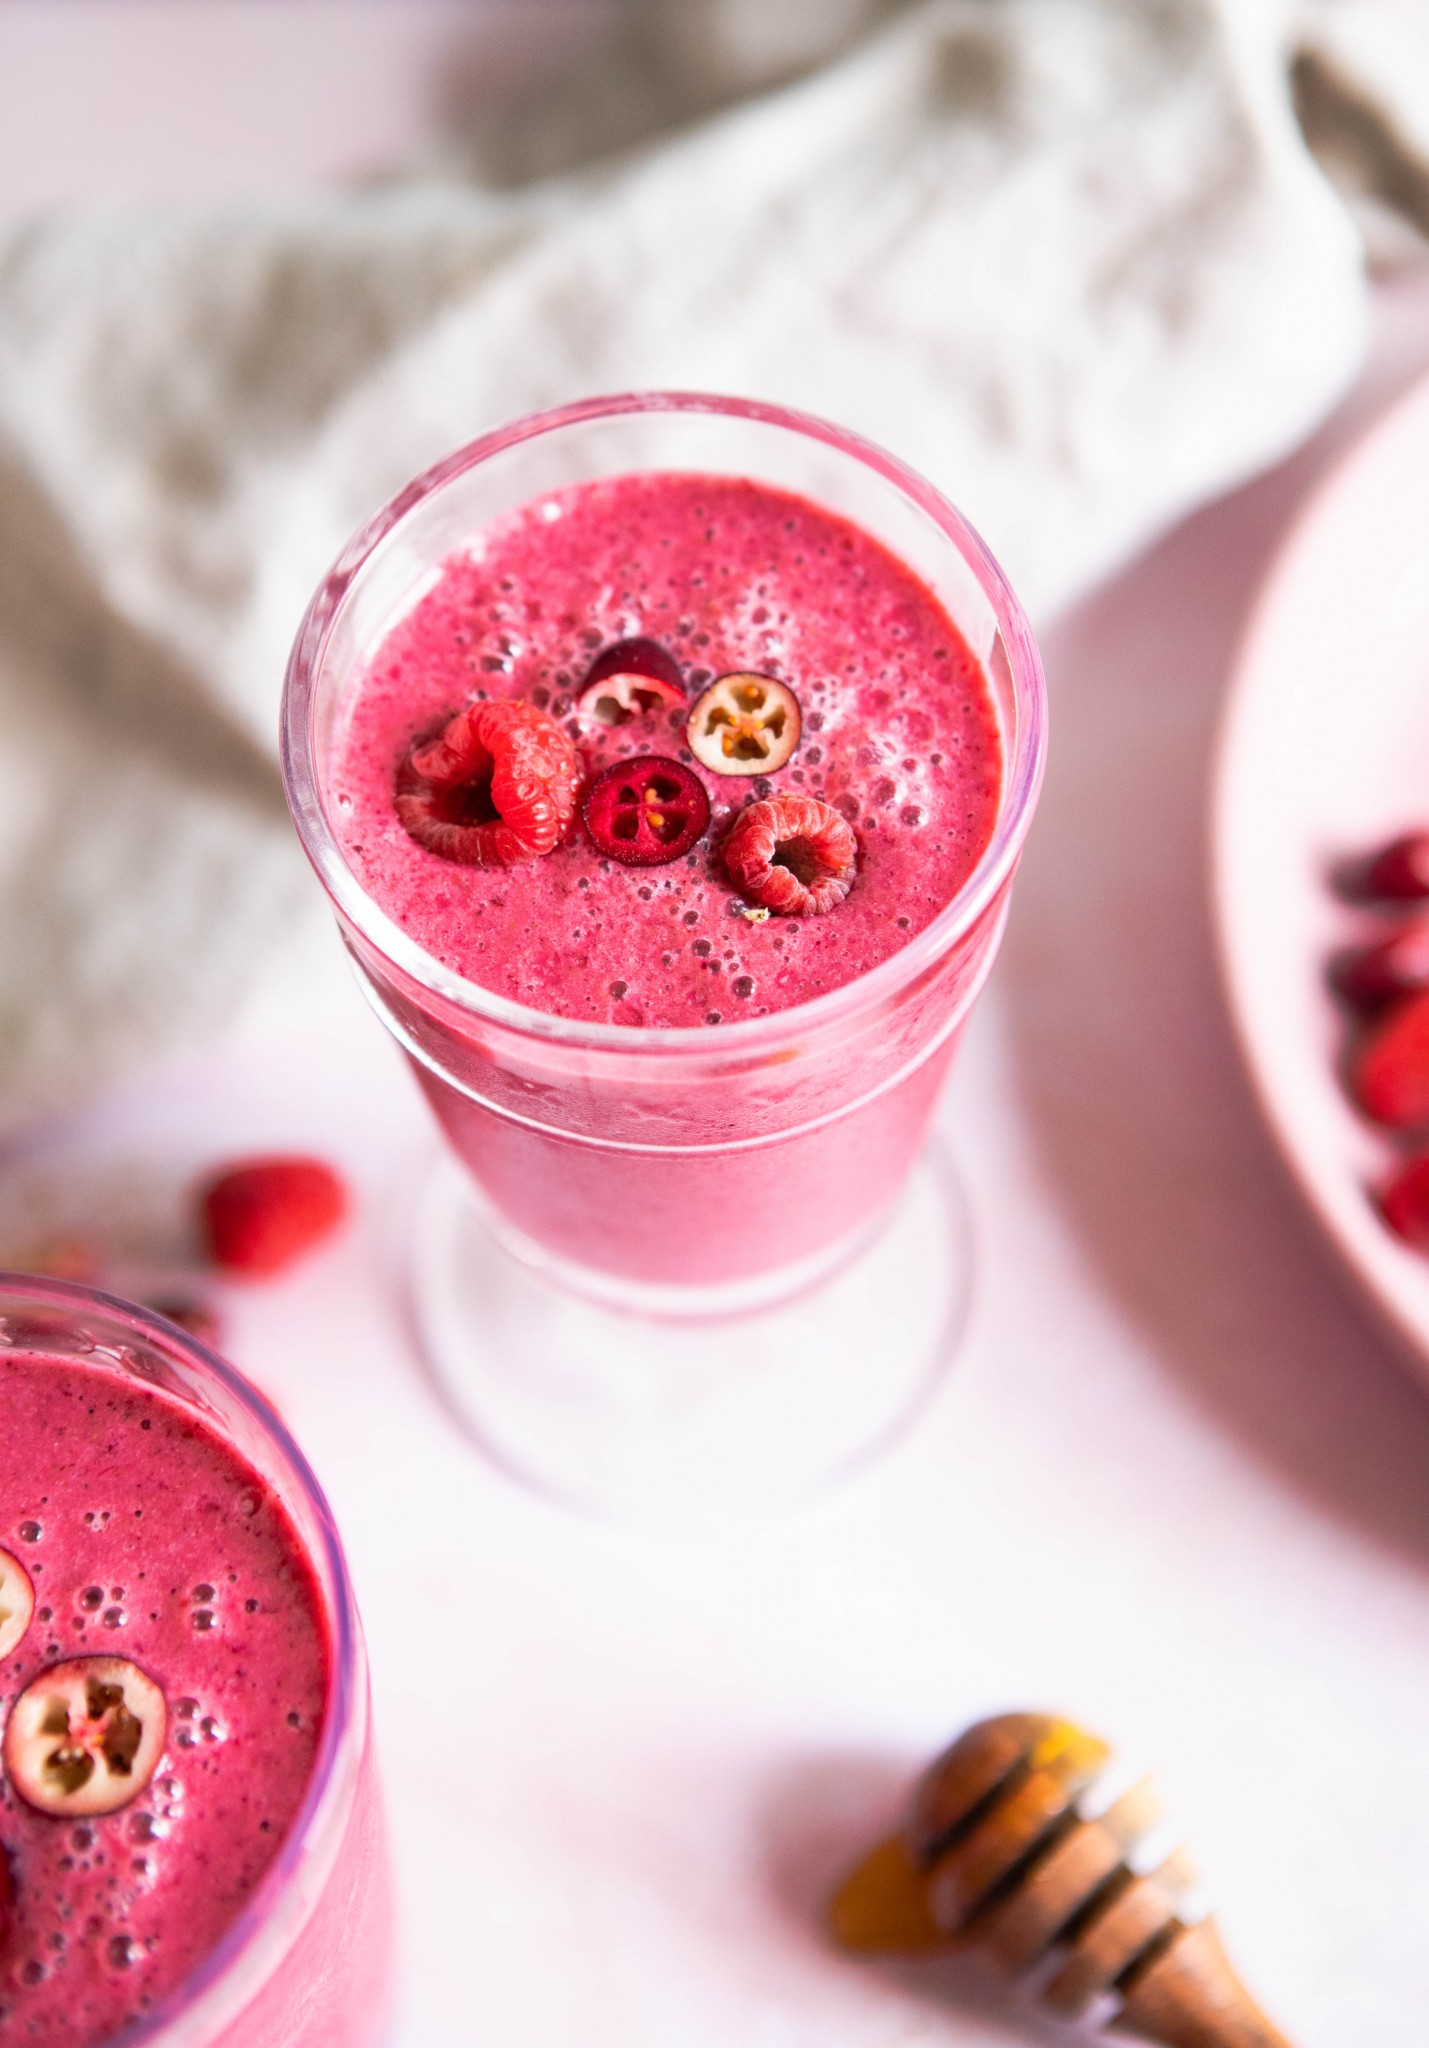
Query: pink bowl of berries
point(1321, 849)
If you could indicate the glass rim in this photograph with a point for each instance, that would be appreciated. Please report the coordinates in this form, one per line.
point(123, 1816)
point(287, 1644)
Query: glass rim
point(336, 1758)
point(1022, 772)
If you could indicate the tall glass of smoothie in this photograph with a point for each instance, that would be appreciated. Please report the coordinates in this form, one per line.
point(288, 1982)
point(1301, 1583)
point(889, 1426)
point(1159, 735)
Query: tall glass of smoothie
point(191, 1846)
point(667, 760)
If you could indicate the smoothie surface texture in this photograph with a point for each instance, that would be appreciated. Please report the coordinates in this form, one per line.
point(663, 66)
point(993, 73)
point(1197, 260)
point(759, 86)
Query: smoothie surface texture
point(147, 1536)
point(899, 735)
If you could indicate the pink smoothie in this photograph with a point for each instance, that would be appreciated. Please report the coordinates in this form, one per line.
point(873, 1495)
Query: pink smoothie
point(147, 1536)
point(898, 733)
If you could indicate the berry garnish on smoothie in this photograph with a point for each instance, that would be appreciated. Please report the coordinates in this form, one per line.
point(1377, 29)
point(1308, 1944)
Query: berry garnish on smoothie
point(85, 1737)
point(668, 654)
point(496, 784)
point(646, 812)
point(630, 680)
point(745, 725)
point(791, 854)
point(17, 1601)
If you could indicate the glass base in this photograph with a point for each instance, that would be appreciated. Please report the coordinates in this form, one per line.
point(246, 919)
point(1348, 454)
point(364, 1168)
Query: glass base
point(690, 1410)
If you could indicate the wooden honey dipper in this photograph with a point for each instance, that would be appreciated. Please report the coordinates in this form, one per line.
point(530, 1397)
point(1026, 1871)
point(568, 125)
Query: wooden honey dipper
point(997, 1852)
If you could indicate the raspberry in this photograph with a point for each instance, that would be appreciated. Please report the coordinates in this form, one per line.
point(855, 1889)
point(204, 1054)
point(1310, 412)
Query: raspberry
point(630, 679)
point(495, 785)
point(262, 1215)
point(1396, 873)
point(1404, 1202)
point(646, 811)
point(744, 724)
point(1390, 1075)
point(1371, 976)
point(792, 854)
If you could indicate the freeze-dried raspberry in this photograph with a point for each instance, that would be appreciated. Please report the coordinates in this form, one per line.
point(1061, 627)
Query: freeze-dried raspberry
point(1372, 976)
point(1390, 1074)
point(264, 1214)
point(792, 854)
point(496, 785)
point(1395, 873)
point(1404, 1202)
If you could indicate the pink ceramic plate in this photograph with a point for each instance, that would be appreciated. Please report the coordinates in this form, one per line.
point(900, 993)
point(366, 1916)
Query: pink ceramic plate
point(1324, 751)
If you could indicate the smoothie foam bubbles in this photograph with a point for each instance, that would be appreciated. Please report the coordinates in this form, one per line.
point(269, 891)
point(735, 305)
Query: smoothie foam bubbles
point(725, 575)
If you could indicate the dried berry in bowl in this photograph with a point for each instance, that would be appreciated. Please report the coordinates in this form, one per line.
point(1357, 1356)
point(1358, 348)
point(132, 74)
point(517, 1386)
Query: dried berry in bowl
point(1389, 1073)
point(1397, 872)
point(1370, 977)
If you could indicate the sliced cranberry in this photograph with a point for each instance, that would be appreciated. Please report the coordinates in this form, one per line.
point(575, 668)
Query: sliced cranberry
point(1389, 1075)
point(646, 811)
point(630, 679)
point(17, 1602)
point(495, 785)
point(1371, 976)
point(792, 854)
point(85, 1736)
point(1395, 873)
point(744, 724)
point(1404, 1202)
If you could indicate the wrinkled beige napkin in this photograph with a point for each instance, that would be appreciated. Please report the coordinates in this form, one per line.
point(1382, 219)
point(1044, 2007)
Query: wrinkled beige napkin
point(1072, 258)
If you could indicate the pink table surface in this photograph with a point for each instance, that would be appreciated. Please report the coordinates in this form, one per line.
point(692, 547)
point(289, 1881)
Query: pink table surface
point(1177, 1487)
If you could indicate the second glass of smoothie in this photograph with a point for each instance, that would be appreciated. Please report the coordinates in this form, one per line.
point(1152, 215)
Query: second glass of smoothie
point(667, 760)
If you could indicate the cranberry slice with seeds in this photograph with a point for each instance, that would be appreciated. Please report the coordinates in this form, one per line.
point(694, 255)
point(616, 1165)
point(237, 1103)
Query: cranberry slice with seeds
point(493, 786)
point(17, 1602)
point(86, 1736)
point(630, 679)
point(792, 854)
point(646, 811)
point(744, 724)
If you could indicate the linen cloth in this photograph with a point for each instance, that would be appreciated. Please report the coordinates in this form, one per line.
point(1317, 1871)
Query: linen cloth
point(1072, 259)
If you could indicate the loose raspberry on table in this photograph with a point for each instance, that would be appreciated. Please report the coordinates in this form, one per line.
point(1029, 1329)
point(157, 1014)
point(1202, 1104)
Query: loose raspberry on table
point(791, 854)
point(495, 786)
point(262, 1215)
